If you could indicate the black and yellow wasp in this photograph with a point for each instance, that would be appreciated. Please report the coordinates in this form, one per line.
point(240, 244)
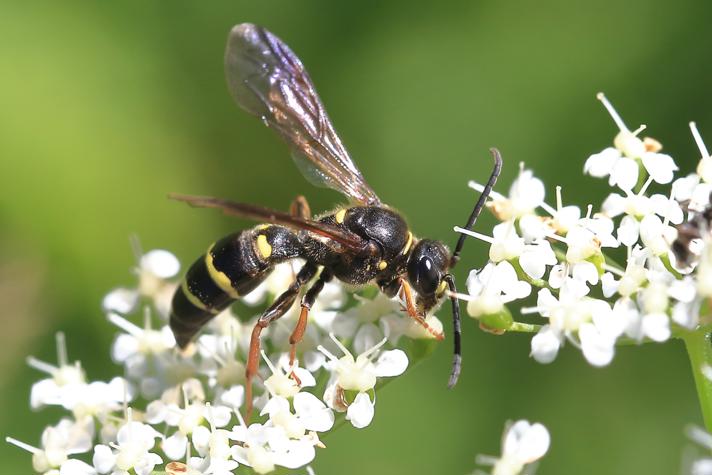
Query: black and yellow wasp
point(366, 242)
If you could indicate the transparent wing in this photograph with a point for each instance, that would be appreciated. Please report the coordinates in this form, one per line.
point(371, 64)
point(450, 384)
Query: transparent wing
point(267, 79)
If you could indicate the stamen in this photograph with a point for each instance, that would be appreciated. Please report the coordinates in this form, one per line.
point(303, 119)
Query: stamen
point(645, 186)
point(371, 351)
point(474, 234)
point(558, 198)
point(124, 324)
point(556, 237)
point(530, 310)
point(480, 188)
point(22, 445)
point(239, 418)
point(614, 115)
point(546, 207)
point(135, 244)
point(210, 416)
point(698, 140)
point(327, 353)
point(269, 363)
point(33, 362)
point(589, 210)
point(641, 128)
point(458, 295)
point(343, 349)
point(61, 349)
point(613, 270)
point(212, 353)
point(146, 318)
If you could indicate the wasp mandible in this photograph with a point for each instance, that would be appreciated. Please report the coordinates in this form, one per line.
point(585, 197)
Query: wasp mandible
point(363, 243)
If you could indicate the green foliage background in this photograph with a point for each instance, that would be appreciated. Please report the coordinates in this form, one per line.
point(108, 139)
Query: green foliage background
point(108, 106)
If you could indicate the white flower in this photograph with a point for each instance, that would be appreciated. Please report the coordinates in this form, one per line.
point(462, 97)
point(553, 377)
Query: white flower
point(562, 219)
point(63, 378)
point(153, 271)
point(186, 419)
point(143, 351)
point(287, 381)
point(58, 443)
point(535, 257)
point(525, 195)
point(97, 399)
point(310, 414)
point(213, 445)
point(493, 287)
point(360, 323)
point(262, 447)
point(585, 321)
point(656, 235)
point(523, 443)
point(620, 164)
point(506, 243)
point(360, 375)
point(132, 450)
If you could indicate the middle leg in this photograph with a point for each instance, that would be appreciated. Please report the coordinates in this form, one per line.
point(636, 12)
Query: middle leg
point(278, 308)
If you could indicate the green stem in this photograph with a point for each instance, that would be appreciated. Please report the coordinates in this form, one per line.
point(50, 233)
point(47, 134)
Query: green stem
point(699, 350)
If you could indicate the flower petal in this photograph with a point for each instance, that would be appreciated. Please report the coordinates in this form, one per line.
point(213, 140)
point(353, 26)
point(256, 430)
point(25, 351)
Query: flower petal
point(391, 363)
point(360, 412)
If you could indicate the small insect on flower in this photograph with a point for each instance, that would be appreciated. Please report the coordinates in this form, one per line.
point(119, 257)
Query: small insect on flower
point(362, 243)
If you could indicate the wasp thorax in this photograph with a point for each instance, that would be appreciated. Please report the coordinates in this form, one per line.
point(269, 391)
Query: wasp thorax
point(427, 265)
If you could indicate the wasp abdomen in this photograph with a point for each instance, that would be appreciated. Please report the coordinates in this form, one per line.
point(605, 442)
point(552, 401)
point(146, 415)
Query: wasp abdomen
point(231, 268)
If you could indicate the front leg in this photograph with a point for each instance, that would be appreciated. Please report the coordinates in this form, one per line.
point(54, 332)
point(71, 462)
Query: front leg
point(406, 293)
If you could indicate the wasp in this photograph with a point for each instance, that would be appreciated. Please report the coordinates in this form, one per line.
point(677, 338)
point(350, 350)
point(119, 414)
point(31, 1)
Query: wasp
point(366, 242)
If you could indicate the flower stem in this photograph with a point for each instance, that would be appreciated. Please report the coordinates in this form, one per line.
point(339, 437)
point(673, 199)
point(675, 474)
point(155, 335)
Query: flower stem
point(699, 349)
point(524, 327)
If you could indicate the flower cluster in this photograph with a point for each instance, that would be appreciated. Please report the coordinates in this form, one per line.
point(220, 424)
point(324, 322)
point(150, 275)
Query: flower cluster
point(185, 411)
point(604, 275)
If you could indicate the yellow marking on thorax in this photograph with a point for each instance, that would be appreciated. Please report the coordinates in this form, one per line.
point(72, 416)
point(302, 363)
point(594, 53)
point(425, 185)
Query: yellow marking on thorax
point(195, 300)
point(264, 247)
point(220, 278)
point(262, 227)
point(340, 215)
point(408, 244)
point(382, 265)
point(441, 288)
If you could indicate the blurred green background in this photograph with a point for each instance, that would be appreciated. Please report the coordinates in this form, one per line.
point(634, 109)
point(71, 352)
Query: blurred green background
point(108, 106)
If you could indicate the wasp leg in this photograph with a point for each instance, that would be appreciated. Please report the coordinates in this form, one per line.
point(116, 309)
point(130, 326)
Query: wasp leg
point(275, 311)
point(300, 208)
point(307, 302)
point(412, 312)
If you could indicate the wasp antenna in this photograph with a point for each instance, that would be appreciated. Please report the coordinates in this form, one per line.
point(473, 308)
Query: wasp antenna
point(479, 205)
point(456, 332)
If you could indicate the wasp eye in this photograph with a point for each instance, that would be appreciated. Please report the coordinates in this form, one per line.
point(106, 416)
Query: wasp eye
point(427, 276)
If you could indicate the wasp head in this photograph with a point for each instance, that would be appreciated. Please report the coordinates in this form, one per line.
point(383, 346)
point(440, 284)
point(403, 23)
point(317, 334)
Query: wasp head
point(427, 266)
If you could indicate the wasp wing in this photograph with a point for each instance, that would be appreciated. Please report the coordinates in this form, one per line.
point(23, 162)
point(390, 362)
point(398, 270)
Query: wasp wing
point(268, 80)
point(350, 241)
